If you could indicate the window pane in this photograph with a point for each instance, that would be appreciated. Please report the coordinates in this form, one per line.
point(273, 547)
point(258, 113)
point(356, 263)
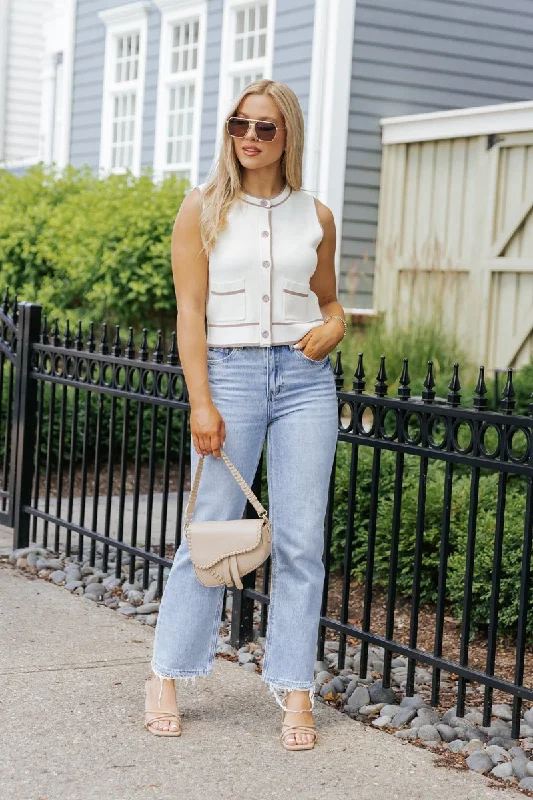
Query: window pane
point(262, 45)
point(251, 19)
point(239, 22)
point(239, 50)
point(250, 48)
point(263, 16)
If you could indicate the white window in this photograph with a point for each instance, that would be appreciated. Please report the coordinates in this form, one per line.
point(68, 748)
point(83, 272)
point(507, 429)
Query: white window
point(180, 87)
point(123, 92)
point(247, 45)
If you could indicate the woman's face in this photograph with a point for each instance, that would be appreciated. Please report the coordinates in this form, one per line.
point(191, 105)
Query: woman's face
point(252, 153)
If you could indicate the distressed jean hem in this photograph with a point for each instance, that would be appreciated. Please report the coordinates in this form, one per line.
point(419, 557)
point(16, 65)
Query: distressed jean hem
point(277, 688)
point(180, 675)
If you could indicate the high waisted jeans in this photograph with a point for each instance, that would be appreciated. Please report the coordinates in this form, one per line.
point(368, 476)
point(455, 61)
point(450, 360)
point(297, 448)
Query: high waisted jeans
point(280, 393)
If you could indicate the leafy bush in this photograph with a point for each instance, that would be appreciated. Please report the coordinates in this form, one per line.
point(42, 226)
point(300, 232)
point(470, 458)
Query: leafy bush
point(90, 248)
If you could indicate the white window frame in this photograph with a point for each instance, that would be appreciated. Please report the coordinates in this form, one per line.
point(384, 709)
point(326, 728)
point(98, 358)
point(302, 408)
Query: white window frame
point(173, 11)
point(227, 69)
point(129, 18)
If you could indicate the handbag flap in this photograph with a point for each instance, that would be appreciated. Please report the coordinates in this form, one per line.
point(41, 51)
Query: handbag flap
point(213, 540)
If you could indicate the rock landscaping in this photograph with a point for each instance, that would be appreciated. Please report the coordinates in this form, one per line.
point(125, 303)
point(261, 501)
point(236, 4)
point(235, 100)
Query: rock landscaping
point(489, 750)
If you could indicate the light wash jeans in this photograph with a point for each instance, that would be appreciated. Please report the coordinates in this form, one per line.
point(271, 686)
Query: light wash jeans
point(280, 393)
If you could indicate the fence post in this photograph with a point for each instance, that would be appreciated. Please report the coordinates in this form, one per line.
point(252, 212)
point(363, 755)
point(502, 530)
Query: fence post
point(242, 608)
point(24, 422)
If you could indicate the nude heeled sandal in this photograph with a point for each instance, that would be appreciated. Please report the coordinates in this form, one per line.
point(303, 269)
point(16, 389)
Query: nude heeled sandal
point(287, 730)
point(171, 716)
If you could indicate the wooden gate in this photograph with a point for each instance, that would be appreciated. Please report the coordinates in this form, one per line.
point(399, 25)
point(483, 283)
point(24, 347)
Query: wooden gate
point(507, 268)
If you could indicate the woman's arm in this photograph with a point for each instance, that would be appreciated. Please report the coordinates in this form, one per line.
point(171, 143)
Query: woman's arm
point(190, 273)
point(321, 340)
point(324, 281)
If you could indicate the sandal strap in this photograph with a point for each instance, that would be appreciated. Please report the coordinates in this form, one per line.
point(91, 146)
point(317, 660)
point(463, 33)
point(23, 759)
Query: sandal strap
point(162, 715)
point(291, 729)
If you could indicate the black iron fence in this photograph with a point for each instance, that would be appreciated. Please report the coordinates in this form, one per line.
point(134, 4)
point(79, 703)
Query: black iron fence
point(95, 448)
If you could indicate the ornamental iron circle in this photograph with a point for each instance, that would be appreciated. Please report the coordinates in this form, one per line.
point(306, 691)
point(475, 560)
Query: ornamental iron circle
point(463, 436)
point(366, 416)
point(518, 445)
point(345, 417)
point(412, 426)
point(437, 432)
point(489, 440)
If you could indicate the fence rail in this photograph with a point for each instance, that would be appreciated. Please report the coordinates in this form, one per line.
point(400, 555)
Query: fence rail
point(96, 447)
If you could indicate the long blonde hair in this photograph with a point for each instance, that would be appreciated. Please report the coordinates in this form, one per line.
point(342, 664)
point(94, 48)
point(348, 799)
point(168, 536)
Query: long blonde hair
point(224, 180)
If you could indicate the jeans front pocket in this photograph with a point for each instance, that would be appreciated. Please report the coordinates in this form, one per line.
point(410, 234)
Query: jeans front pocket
point(311, 360)
point(216, 355)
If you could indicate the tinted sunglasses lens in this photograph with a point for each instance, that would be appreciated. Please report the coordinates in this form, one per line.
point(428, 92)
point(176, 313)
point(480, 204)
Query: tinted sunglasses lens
point(237, 127)
point(265, 131)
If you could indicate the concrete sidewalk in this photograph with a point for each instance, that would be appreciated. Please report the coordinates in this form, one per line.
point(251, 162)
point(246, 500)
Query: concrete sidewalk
point(72, 677)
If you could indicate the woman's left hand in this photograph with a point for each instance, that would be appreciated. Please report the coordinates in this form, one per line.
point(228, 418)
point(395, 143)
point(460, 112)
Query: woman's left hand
point(319, 341)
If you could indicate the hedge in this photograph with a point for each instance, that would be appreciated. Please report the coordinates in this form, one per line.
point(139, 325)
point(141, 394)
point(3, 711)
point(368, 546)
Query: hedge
point(90, 248)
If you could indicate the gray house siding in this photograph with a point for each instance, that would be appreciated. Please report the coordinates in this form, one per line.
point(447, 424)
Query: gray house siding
point(415, 57)
point(293, 45)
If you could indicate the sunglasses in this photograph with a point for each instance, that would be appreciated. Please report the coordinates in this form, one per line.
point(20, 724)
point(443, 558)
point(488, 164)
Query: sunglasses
point(264, 131)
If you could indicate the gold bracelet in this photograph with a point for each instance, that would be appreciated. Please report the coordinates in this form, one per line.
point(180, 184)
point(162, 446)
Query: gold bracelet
point(341, 319)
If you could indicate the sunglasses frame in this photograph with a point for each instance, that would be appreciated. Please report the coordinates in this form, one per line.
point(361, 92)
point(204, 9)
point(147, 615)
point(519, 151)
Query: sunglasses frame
point(253, 122)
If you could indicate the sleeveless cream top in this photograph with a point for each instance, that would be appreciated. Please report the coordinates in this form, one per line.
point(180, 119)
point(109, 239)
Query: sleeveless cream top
point(259, 272)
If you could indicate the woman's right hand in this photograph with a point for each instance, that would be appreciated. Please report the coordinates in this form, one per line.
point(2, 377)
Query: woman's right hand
point(208, 429)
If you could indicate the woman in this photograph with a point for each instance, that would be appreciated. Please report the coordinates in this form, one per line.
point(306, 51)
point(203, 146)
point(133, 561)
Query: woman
point(254, 254)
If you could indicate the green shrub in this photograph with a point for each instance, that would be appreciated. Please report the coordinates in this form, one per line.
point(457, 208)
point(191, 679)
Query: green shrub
point(90, 248)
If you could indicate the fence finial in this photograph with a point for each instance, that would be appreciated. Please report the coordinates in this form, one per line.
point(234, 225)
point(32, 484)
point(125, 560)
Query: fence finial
point(338, 371)
point(480, 401)
point(67, 336)
point(143, 349)
point(116, 349)
point(359, 376)
point(15, 312)
point(157, 355)
point(508, 394)
point(43, 336)
point(90, 340)
point(129, 352)
point(172, 355)
point(381, 379)
point(5, 308)
point(78, 341)
point(454, 398)
point(55, 333)
point(404, 389)
point(428, 393)
point(104, 341)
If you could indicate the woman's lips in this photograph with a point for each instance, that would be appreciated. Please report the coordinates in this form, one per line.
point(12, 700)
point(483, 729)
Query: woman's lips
point(251, 151)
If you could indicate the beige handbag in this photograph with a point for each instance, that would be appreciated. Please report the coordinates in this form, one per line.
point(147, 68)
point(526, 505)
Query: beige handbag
point(223, 551)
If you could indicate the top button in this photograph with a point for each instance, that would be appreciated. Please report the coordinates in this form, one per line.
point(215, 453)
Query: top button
point(265, 234)
point(264, 203)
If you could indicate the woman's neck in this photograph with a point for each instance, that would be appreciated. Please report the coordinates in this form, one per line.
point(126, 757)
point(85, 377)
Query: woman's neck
point(260, 184)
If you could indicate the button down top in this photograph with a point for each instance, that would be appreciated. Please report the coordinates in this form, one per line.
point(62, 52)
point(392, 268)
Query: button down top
point(249, 305)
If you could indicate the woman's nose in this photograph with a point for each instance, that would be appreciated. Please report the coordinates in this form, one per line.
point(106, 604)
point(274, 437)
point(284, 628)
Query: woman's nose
point(250, 134)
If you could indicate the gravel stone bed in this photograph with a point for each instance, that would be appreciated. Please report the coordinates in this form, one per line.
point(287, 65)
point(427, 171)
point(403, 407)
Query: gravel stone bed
point(488, 750)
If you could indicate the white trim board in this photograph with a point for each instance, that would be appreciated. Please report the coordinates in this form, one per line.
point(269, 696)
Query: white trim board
point(329, 107)
point(459, 122)
point(173, 11)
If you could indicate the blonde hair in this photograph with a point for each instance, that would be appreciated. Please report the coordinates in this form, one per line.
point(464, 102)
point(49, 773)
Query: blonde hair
point(224, 180)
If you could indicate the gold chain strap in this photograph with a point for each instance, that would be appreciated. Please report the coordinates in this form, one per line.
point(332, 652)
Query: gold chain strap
point(238, 477)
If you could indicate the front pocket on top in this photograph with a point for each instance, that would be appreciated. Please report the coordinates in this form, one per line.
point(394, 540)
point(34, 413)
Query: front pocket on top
point(227, 301)
point(295, 300)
